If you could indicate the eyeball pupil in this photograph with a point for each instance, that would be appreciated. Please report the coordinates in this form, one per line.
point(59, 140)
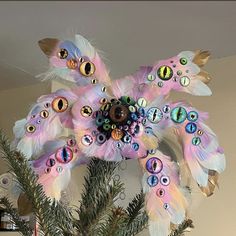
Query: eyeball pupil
point(183, 61)
point(87, 68)
point(118, 113)
point(64, 154)
point(60, 104)
point(154, 165)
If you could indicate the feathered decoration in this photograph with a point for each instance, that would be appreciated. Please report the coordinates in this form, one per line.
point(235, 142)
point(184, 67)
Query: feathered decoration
point(54, 167)
point(76, 61)
point(166, 199)
point(181, 73)
point(201, 149)
point(116, 122)
point(46, 120)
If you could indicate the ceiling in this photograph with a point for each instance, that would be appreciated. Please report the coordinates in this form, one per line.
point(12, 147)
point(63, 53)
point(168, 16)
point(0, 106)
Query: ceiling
point(130, 34)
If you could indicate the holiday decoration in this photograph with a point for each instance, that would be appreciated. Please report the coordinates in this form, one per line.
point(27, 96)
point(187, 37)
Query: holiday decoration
point(121, 119)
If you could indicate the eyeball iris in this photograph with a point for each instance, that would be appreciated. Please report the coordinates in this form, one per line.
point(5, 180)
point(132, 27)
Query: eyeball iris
point(59, 104)
point(30, 128)
point(152, 180)
point(87, 140)
point(63, 53)
point(154, 115)
point(64, 155)
point(101, 138)
point(50, 162)
point(165, 72)
point(44, 114)
point(72, 64)
point(178, 114)
point(118, 113)
point(71, 142)
point(183, 61)
point(87, 68)
point(86, 111)
point(160, 192)
point(117, 134)
point(165, 180)
point(192, 116)
point(154, 165)
point(128, 100)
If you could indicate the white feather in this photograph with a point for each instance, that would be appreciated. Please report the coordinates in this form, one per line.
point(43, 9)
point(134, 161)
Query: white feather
point(159, 228)
point(197, 87)
point(19, 128)
point(188, 54)
point(84, 46)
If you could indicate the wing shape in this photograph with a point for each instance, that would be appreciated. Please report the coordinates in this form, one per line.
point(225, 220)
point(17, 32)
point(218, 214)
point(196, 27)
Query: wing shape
point(45, 121)
point(77, 61)
point(202, 152)
point(54, 167)
point(166, 199)
point(181, 73)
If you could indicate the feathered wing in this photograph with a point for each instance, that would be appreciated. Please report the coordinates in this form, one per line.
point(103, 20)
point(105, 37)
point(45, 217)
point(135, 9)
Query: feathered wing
point(181, 73)
point(202, 152)
point(46, 120)
point(54, 167)
point(166, 199)
point(76, 61)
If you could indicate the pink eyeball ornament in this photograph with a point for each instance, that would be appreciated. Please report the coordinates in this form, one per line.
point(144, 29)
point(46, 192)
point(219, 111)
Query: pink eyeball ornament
point(122, 121)
point(74, 60)
point(54, 167)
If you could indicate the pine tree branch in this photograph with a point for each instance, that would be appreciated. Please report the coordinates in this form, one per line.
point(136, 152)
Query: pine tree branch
point(115, 222)
point(64, 217)
point(136, 226)
point(34, 191)
point(98, 196)
point(23, 226)
point(182, 228)
point(135, 206)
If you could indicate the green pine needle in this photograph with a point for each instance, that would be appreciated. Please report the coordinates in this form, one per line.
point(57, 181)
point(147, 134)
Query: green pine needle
point(187, 224)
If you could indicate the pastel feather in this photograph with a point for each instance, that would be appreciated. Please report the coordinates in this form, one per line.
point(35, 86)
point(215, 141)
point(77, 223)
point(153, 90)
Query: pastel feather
point(56, 177)
point(192, 70)
point(205, 157)
point(46, 128)
point(175, 196)
point(77, 49)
